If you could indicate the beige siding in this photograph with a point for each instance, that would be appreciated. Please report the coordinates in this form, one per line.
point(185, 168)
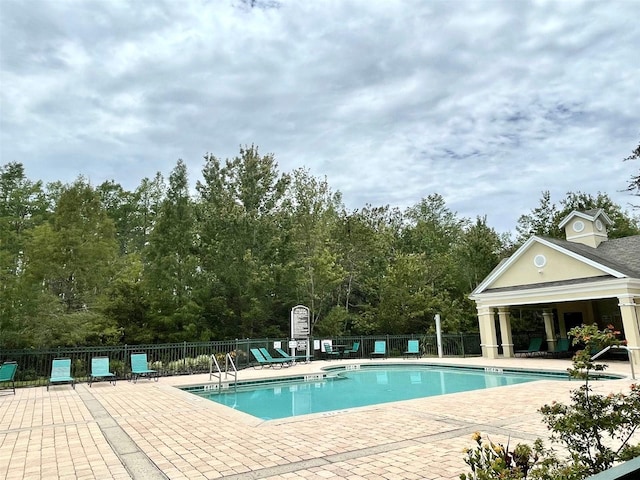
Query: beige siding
point(589, 228)
point(558, 267)
point(589, 236)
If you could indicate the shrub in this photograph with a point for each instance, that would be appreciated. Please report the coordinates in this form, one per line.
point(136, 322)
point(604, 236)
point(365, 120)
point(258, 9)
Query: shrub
point(490, 460)
point(595, 430)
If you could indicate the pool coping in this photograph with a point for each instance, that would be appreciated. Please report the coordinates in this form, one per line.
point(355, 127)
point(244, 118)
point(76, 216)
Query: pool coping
point(547, 374)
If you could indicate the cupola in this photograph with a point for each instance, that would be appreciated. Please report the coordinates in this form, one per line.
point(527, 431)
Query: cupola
point(588, 227)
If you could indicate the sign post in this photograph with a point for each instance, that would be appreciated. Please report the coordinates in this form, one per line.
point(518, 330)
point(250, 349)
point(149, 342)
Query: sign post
point(301, 326)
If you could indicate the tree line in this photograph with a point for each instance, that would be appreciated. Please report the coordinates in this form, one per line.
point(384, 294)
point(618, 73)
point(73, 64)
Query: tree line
point(90, 265)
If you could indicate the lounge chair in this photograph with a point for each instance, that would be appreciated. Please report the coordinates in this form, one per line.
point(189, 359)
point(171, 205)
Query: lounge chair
point(61, 372)
point(534, 349)
point(261, 359)
point(8, 373)
point(330, 352)
point(293, 358)
point(140, 367)
point(379, 349)
point(100, 369)
point(263, 362)
point(284, 361)
point(413, 348)
point(562, 349)
point(355, 348)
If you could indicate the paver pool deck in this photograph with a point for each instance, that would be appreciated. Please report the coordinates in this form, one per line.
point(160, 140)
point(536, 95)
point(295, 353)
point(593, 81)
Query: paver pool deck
point(150, 430)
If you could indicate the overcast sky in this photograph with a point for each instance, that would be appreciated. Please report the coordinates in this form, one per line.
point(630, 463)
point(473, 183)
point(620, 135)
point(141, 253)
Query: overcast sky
point(487, 103)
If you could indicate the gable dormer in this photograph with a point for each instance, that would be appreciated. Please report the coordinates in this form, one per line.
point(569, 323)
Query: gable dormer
point(588, 227)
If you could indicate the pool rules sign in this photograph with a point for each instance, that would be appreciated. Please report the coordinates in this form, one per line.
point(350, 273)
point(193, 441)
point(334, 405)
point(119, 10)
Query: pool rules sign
point(301, 325)
point(300, 322)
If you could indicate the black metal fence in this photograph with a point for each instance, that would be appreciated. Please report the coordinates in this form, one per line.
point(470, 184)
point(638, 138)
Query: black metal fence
point(453, 345)
point(34, 366)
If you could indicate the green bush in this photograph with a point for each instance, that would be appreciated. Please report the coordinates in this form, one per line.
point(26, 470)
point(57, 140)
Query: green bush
point(595, 430)
point(117, 367)
point(489, 460)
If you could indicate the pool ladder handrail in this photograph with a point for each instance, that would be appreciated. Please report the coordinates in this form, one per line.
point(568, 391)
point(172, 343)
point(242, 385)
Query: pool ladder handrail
point(624, 347)
point(228, 361)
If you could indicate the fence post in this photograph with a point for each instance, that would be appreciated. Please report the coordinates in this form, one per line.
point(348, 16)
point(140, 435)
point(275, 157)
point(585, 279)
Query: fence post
point(462, 344)
point(184, 354)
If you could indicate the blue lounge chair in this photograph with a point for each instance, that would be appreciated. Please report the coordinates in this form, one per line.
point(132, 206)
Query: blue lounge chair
point(262, 361)
point(413, 348)
point(330, 352)
point(100, 369)
point(8, 373)
point(140, 367)
point(293, 358)
point(535, 348)
point(61, 372)
point(355, 348)
point(284, 361)
point(379, 349)
point(562, 349)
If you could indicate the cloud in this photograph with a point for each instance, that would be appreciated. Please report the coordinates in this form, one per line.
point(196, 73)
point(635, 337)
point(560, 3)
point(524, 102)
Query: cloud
point(487, 103)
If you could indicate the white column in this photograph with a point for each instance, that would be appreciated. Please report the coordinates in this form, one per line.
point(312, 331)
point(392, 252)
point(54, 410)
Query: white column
point(630, 311)
point(505, 332)
point(547, 314)
point(488, 336)
point(562, 326)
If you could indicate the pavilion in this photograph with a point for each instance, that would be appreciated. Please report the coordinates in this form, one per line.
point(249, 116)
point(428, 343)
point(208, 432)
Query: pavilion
point(586, 278)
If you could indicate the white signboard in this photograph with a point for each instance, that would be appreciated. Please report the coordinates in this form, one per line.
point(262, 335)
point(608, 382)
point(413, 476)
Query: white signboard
point(300, 322)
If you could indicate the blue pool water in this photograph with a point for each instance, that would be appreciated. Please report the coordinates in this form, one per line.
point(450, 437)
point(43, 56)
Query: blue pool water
point(360, 387)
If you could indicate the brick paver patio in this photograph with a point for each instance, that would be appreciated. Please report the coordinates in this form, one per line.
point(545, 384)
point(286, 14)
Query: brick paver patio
point(154, 430)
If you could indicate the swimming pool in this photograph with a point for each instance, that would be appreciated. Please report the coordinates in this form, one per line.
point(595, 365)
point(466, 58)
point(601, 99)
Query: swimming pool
point(359, 385)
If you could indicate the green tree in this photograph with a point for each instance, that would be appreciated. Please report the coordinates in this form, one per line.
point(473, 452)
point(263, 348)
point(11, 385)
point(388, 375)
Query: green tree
point(148, 197)
point(368, 241)
point(624, 225)
point(239, 208)
point(479, 250)
point(171, 268)
point(120, 206)
point(73, 255)
point(315, 258)
point(407, 296)
point(23, 206)
point(134, 214)
point(434, 231)
point(544, 219)
point(69, 262)
point(127, 302)
point(634, 181)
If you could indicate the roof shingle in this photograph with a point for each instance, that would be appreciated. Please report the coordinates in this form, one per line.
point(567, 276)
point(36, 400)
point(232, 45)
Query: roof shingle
point(621, 254)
